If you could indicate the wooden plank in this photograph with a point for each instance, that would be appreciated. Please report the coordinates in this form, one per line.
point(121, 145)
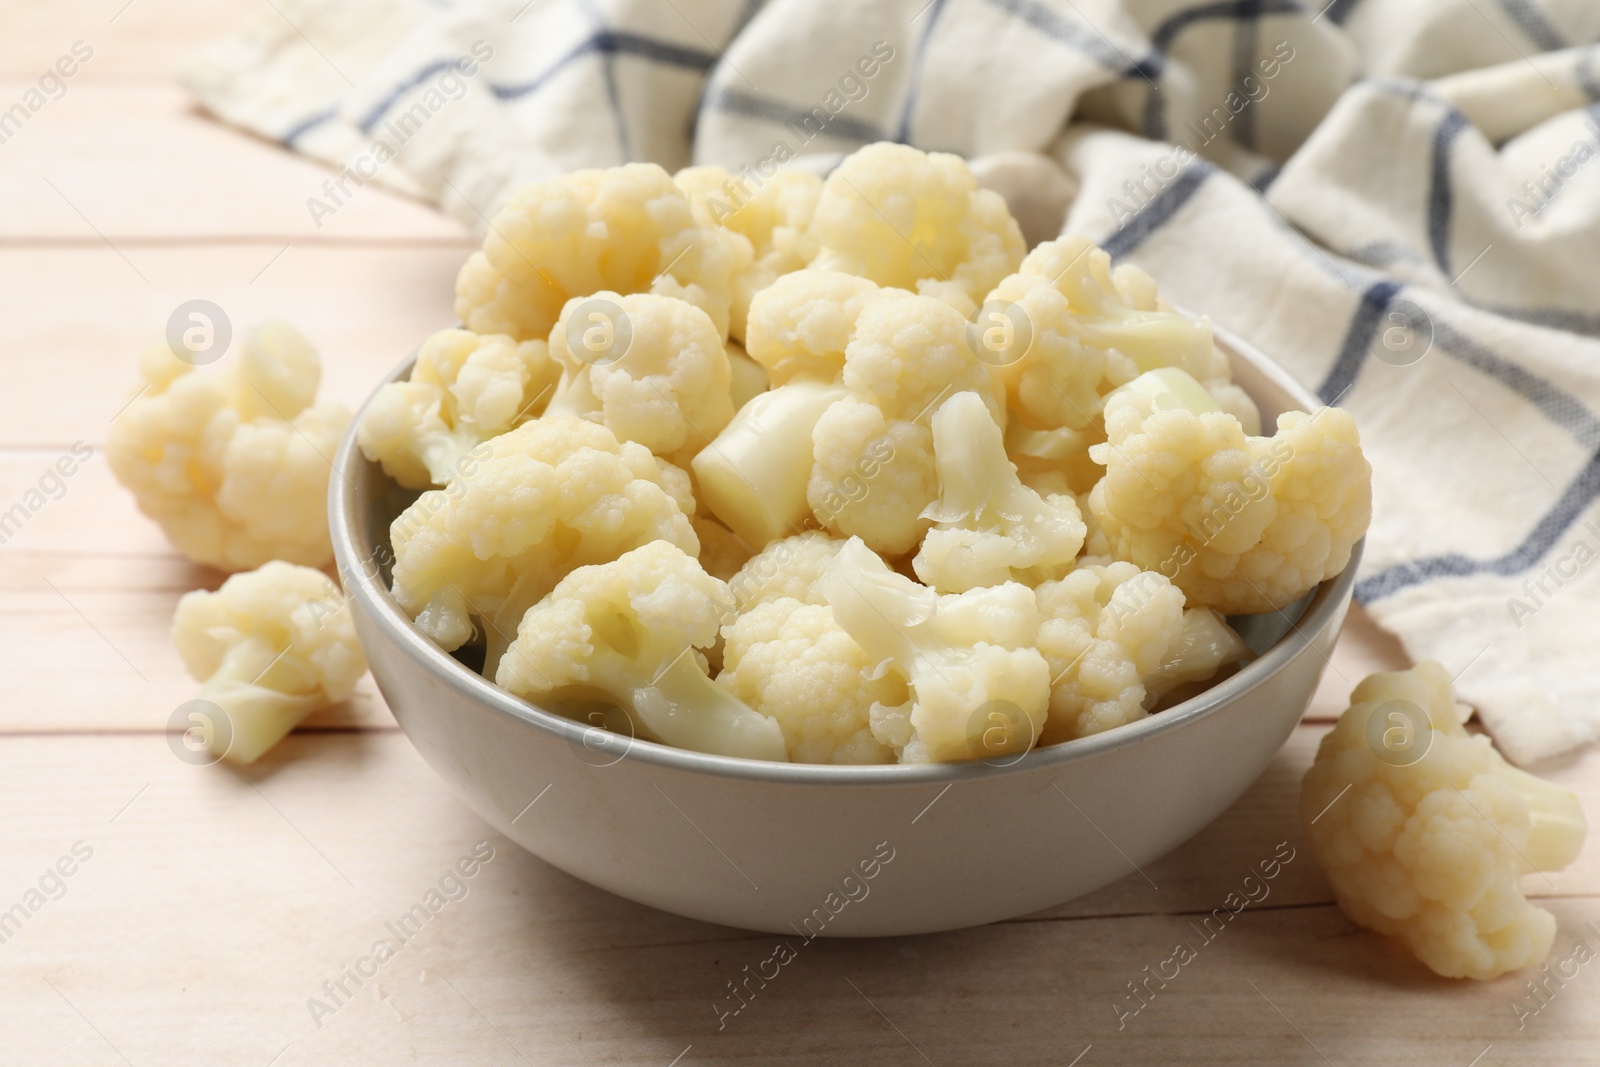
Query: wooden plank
point(78, 318)
point(93, 631)
point(142, 38)
point(232, 896)
point(139, 163)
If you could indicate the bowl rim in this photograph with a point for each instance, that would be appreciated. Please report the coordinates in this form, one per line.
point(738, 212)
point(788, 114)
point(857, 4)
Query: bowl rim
point(1327, 605)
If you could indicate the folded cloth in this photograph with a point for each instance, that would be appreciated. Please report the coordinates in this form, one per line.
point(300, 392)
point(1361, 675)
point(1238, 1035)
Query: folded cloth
point(1394, 198)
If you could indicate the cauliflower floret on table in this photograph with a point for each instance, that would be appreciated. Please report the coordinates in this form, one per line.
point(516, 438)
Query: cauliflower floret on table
point(1116, 639)
point(627, 630)
point(552, 495)
point(1087, 329)
point(651, 368)
point(627, 229)
point(916, 220)
point(772, 216)
point(754, 476)
point(234, 462)
point(272, 646)
point(464, 389)
point(874, 470)
point(989, 527)
point(1241, 524)
point(1424, 829)
point(977, 687)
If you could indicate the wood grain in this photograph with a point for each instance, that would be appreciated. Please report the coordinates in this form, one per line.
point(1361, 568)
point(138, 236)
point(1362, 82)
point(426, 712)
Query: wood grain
point(217, 901)
point(233, 895)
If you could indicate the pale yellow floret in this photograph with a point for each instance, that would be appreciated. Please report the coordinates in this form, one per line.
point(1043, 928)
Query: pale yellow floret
point(989, 527)
point(550, 496)
point(1102, 629)
point(792, 662)
point(272, 646)
point(874, 471)
point(771, 216)
point(789, 567)
point(233, 461)
point(652, 369)
point(463, 390)
point(916, 220)
point(626, 229)
point(1086, 329)
point(1244, 524)
point(627, 630)
point(977, 686)
point(1424, 829)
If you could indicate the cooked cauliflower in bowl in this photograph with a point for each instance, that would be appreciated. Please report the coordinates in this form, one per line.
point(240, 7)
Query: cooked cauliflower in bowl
point(919, 524)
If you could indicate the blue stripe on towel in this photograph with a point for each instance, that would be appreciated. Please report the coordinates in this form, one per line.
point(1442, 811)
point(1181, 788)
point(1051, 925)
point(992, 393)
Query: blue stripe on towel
point(845, 127)
point(1339, 11)
point(1363, 328)
point(1533, 22)
point(1165, 33)
point(1440, 195)
point(1579, 494)
point(1086, 39)
point(913, 88)
point(1165, 204)
point(306, 125)
point(613, 42)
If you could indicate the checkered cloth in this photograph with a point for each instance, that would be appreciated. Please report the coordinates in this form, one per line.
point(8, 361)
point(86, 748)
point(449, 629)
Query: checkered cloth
point(1395, 198)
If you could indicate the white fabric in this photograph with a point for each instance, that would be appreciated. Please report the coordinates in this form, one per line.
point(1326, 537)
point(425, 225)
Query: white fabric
point(1396, 262)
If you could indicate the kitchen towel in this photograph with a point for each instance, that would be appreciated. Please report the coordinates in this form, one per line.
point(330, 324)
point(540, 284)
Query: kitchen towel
point(1399, 200)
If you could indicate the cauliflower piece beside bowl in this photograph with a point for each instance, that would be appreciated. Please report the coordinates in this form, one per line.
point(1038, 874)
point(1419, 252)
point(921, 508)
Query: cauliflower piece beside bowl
point(233, 461)
point(1425, 830)
point(271, 645)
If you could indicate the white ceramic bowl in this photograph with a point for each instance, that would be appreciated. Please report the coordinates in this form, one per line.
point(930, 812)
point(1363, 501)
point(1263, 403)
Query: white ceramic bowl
point(835, 851)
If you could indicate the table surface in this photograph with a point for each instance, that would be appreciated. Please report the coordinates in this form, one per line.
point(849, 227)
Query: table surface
point(208, 905)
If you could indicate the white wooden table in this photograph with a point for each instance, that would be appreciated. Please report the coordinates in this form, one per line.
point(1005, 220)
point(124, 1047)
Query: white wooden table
point(207, 906)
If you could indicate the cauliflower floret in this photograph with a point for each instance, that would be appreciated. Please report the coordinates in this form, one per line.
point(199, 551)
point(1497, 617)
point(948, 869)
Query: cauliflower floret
point(977, 686)
point(1089, 329)
point(754, 476)
point(916, 220)
point(874, 469)
point(550, 496)
point(463, 390)
point(628, 229)
point(234, 463)
point(790, 567)
point(1424, 829)
point(990, 528)
point(656, 373)
point(628, 629)
point(1117, 638)
point(1244, 524)
point(272, 646)
point(773, 218)
point(792, 662)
